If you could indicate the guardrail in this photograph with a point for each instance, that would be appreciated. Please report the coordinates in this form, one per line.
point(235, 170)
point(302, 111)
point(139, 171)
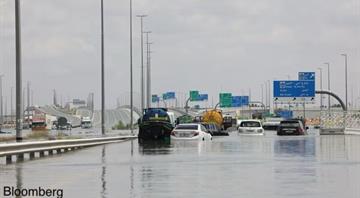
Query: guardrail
point(59, 146)
point(352, 131)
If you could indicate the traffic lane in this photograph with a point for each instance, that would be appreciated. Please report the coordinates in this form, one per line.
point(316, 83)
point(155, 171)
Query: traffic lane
point(236, 166)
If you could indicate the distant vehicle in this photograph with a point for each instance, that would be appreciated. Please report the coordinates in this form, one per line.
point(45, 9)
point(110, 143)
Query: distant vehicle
point(193, 131)
point(86, 123)
point(272, 123)
point(252, 127)
point(227, 122)
point(63, 124)
point(38, 121)
point(292, 127)
point(155, 124)
point(214, 130)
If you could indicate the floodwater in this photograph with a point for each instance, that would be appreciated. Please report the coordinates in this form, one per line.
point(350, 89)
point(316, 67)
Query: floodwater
point(234, 166)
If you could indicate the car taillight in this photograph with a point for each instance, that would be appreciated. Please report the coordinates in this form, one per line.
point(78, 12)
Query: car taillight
point(300, 130)
point(196, 133)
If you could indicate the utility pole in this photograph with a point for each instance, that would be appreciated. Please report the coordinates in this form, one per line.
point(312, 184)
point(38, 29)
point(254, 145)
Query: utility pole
point(18, 71)
point(142, 65)
point(102, 71)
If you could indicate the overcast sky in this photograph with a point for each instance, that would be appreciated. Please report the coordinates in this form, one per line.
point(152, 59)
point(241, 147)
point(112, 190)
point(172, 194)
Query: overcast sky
point(206, 45)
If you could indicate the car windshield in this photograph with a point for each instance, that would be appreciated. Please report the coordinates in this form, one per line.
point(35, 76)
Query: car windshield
point(187, 127)
point(250, 124)
point(290, 124)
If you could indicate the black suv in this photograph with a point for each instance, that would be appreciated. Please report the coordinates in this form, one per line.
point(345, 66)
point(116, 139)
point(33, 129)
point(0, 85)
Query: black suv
point(292, 127)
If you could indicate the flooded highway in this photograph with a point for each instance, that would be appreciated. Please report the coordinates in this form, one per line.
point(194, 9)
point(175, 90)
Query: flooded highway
point(232, 166)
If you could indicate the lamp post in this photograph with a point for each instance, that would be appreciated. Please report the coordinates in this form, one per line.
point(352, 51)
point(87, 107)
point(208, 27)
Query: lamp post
point(1, 104)
point(18, 71)
point(131, 71)
point(329, 102)
point(346, 80)
point(142, 64)
point(321, 96)
point(102, 71)
point(148, 92)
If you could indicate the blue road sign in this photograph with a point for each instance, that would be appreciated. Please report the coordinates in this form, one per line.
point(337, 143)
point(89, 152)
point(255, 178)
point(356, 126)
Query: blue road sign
point(244, 100)
point(307, 76)
point(239, 101)
point(294, 89)
point(168, 95)
point(236, 101)
point(203, 97)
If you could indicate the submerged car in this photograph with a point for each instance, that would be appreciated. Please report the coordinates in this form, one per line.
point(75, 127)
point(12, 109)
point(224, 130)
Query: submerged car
point(292, 127)
point(251, 127)
point(190, 132)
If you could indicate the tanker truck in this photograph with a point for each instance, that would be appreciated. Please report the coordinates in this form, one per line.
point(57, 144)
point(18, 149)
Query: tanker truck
point(155, 124)
point(215, 116)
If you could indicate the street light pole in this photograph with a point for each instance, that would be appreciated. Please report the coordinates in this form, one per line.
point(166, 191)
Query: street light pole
point(329, 103)
point(321, 96)
point(18, 71)
point(11, 104)
point(28, 103)
point(131, 71)
point(142, 64)
point(262, 93)
point(102, 71)
point(346, 80)
point(1, 104)
point(148, 92)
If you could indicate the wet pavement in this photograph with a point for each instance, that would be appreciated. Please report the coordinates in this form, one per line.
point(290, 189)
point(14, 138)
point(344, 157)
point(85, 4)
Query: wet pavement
point(233, 166)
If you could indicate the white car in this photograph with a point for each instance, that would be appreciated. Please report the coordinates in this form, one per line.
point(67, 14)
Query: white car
point(251, 127)
point(190, 132)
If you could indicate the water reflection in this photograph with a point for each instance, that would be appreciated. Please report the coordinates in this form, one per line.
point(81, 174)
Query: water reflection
point(295, 146)
point(103, 172)
point(332, 147)
point(155, 148)
point(19, 177)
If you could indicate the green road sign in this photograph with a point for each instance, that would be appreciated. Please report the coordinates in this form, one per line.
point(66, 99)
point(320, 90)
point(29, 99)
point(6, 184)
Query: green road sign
point(225, 99)
point(194, 95)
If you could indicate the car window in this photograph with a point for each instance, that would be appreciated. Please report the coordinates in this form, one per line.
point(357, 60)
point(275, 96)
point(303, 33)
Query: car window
point(187, 127)
point(290, 124)
point(250, 124)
